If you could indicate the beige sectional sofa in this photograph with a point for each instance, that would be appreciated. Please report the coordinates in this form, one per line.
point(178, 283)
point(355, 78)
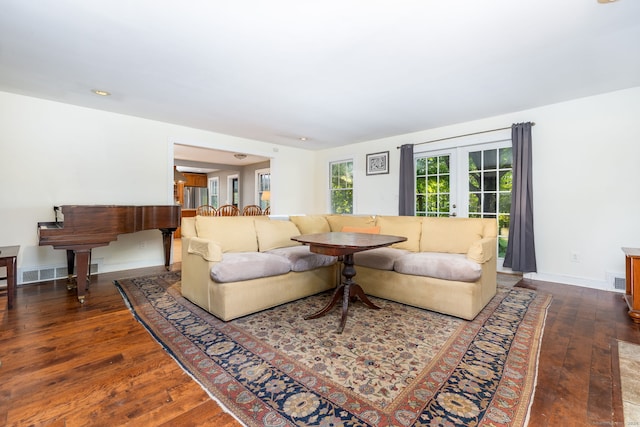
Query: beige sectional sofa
point(234, 266)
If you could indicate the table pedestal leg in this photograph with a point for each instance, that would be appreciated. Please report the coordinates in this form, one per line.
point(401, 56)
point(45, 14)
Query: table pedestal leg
point(348, 291)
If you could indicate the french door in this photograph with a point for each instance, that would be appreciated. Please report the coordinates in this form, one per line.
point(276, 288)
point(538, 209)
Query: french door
point(471, 181)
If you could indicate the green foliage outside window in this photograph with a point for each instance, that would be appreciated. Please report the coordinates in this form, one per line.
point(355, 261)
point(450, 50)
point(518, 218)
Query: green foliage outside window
point(342, 187)
point(433, 186)
point(490, 183)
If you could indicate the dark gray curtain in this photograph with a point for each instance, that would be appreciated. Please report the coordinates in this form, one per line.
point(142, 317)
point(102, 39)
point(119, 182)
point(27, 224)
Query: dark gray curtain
point(521, 251)
point(407, 199)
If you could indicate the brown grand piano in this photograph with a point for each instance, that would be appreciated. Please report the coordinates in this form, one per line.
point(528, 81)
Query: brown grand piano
point(91, 226)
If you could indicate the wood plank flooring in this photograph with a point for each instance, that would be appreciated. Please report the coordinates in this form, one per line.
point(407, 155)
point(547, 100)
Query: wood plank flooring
point(66, 364)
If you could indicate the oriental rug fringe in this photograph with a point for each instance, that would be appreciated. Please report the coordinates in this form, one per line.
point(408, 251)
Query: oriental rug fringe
point(398, 366)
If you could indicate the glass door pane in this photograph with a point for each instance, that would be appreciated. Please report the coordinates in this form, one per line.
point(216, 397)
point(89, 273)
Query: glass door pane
point(435, 186)
point(490, 178)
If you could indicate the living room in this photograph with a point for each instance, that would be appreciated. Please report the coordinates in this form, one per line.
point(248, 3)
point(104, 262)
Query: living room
point(585, 152)
point(572, 139)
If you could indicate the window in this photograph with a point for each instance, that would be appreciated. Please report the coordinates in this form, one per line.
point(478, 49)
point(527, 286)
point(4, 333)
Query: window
point(214, 192)
point(341, 187)
point(233, 190)
point(263, 188)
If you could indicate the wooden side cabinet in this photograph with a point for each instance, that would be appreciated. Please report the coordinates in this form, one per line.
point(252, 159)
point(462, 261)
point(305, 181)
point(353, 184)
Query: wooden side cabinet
point(632, 295)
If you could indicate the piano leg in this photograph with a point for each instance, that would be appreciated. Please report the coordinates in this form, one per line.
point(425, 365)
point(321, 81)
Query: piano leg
point(82, 257)
point(167, 241)
point(70, 261)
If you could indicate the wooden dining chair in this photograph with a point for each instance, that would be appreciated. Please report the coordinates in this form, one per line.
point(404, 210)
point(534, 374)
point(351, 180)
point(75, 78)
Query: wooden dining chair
point(206, 210)
point(252, 210)
point(267, 211)
point(228, 210)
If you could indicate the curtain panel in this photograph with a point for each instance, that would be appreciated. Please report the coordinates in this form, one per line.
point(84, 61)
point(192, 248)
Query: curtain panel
point(521, 251)
point(406, 204)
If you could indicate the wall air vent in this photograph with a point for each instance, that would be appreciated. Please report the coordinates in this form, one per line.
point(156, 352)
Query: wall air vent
point(616, 281)
point(50, 273)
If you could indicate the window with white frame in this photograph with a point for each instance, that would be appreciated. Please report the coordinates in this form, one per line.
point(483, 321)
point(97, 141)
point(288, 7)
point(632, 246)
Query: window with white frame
point(263, 188)
point(214, 192)
point(233, 190)
point(341, 187)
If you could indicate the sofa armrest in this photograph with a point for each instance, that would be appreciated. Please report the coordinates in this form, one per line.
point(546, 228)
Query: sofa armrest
point(207, 249)
point(482, 250)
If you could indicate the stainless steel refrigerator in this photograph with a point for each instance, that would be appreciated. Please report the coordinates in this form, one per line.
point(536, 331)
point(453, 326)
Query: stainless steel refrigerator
point(194, 197)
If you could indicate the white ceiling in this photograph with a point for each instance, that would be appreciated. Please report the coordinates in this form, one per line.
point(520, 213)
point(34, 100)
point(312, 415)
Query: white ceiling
point(334, 71)
point(204, 160)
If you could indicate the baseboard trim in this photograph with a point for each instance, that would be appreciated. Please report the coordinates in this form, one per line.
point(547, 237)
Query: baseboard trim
point(572, 280)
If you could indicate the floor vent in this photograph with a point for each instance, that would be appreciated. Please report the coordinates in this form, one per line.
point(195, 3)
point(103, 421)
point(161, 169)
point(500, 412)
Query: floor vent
point(50, 273)
point(619, 283)
point(30, 276)
point(47, 273)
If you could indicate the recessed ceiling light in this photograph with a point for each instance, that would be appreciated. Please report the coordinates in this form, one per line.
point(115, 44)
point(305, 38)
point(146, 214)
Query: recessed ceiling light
point(303, 138)
point(100, 92)
point(606, 1)
point(240, 156)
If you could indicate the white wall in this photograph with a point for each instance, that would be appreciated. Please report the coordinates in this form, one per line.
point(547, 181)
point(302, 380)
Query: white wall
point(248, 196)
point(56, 154)
point(586, 165)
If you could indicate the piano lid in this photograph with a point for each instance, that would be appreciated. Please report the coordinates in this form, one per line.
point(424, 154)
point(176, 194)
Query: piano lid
point(97, 225)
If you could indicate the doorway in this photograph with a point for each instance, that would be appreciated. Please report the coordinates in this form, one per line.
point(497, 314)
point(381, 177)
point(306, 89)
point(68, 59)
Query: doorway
point(471, 181)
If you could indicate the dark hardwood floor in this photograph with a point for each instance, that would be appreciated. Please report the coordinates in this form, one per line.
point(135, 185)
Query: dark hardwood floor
point(66, 364)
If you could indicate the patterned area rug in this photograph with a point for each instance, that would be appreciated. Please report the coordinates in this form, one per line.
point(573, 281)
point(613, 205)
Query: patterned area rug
point(629, 366)
point(398, 366)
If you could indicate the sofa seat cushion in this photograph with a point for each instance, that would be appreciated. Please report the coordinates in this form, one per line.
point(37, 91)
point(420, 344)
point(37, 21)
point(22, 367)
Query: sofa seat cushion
point(300, 258)
point(439, 265)
point(379, 258)
point(239, 266)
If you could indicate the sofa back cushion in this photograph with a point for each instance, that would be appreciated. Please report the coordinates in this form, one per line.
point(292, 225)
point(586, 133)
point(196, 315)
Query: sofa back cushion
point(405, 226)
point(274, 234)
point(337, 222)
point(450, 235)
point(232, 233)
point(311, 224)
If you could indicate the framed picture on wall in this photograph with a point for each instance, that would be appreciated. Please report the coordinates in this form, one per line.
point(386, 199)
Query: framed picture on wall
point(378, 163)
